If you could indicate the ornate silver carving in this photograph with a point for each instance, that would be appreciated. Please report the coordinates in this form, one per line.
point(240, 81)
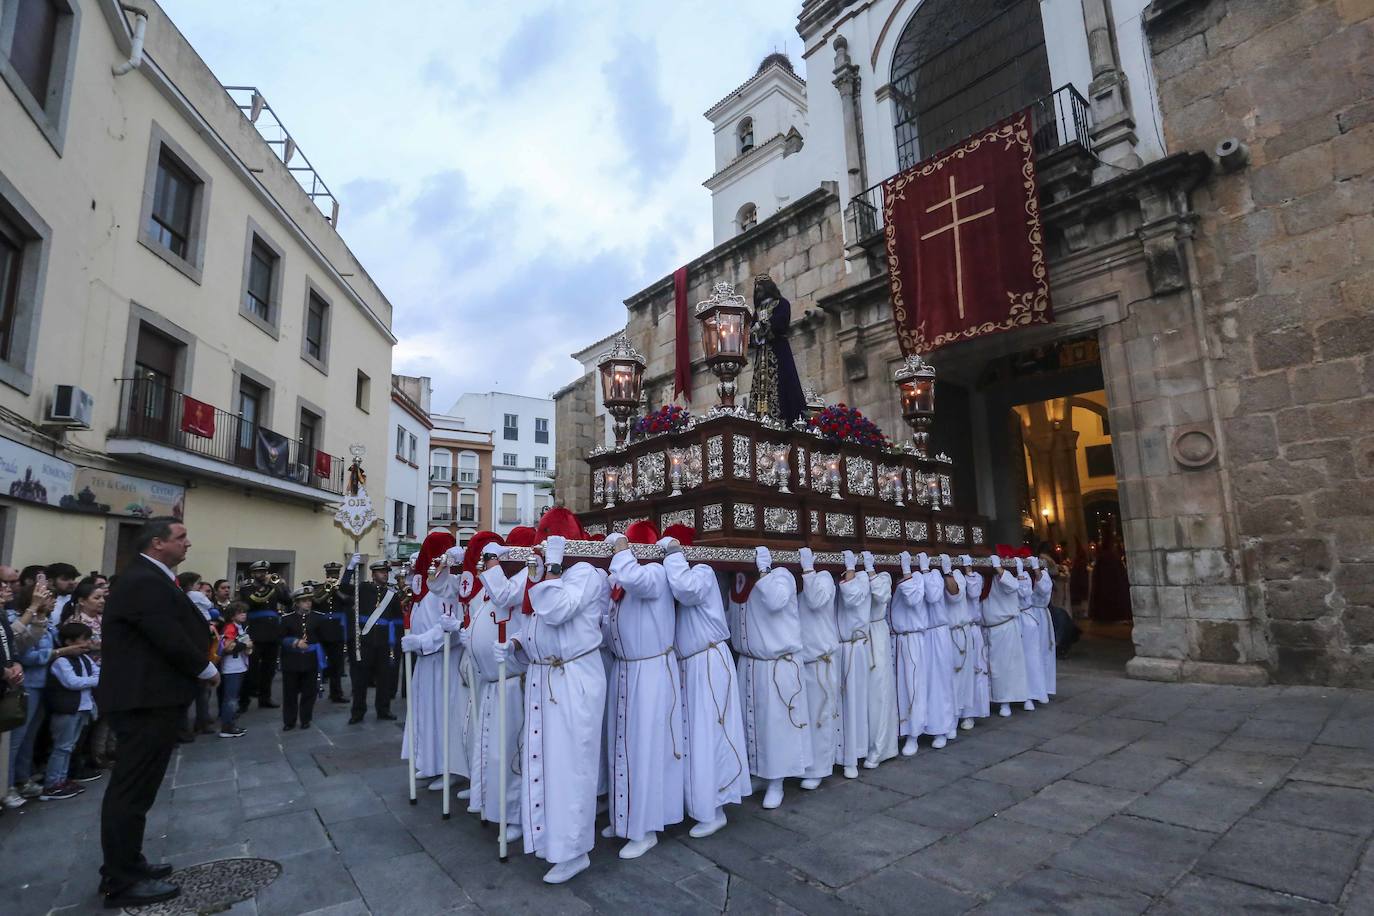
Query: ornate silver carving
point(917, 531)
point(822, 479)
point(815, 522)
point(910, 493)
point(649, 474)
point(764, 460)
point(596, 529)
point(801, 469)
point(839, 525)
point(677, 517)
point(594, 550)
point(711, 517)
point(598, 487)
point(620, 525)
point(739, 455)
point(689, 467)
point(944, 458)
point(978, 535)
point(783, 521)
point(890, 481)
point(745, 516)
point(715, 458)
point(625, 484)
point(859, 476)
point(878, 526)
point(954, 534)
point(946, 491)
point(722, 293)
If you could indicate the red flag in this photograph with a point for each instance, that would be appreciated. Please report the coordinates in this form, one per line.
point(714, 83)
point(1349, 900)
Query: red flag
point(965, 250)
point(682, 361)
point(324, 465)
point(197, 418)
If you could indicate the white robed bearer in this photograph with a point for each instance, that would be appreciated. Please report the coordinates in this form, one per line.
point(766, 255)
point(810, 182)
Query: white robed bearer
point(717, 772)
point(909, 623)
point(1032, 638)
point(765, 629)
point(434, 623)
point(565, 699)
point(971, 677)
point(1042, 586)
point(856, 661)
point(941, 723)
point(1006, 656)
point(820, 651)
point(882, 678)
point(645, 743)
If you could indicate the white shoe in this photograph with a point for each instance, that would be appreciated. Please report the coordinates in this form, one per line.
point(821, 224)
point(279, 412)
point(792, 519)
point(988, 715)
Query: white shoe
point(706, 828)
point(870, 763)
point(809, 784)
point(1028, 706)
point(13, 799)
point(566, 871)
point(513, 833)
point(437, 785)
point(608, 831)
point(939, 742)
point(463, 793)
point(1004, 710)
point(966, 725)
point(636, 848)
point(773, 797)
point(910, 747)
point(851, 772)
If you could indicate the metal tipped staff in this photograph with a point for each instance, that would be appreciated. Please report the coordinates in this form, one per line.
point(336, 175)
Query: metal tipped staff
point(501, 743)
point(434, 568)
point(406, 658)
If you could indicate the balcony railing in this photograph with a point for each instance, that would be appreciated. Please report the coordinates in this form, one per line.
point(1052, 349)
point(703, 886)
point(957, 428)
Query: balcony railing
point(441, 475)
point(1057, 120)
point(468, 478)
point(151, 411)
point(441, 515)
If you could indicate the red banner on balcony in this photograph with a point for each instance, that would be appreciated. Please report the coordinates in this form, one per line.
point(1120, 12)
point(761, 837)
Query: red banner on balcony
point(324, 465)
point(197, 418)
point(682, 354)
point(965, 254)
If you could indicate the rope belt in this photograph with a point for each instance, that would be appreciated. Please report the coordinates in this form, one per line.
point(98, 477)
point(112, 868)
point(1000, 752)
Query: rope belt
point(820, 716)
point(993, 626)
point(721, 712)
point(559, 664)
point(789, 702)
point(858, 636)
point(962, 650)
point(671, 650)
point(709, 647)
point(910, 632)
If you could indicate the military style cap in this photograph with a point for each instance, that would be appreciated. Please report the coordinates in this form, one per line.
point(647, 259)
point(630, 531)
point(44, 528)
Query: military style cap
point(307, 590)
point(380, 564)
point(260, 566)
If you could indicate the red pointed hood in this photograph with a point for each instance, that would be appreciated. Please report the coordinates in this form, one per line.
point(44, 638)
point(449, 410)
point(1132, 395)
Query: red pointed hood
point(434, 546)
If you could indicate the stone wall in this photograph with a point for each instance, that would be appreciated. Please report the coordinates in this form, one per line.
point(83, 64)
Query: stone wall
point(1285, 257)
point(576, 425)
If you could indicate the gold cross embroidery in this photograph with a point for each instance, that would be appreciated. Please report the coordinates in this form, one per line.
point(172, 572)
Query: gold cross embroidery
point(953, 227)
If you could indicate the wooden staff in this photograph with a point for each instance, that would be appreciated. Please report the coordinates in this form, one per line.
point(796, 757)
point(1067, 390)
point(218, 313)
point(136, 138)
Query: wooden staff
point(501, 743)
point(410, 717)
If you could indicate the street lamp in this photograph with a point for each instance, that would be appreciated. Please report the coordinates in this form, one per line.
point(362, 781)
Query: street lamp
point(622, 381)
point(725, 324)
point(915, 380)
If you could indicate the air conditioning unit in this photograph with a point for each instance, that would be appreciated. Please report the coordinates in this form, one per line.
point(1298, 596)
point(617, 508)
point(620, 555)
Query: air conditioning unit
point(71, 407)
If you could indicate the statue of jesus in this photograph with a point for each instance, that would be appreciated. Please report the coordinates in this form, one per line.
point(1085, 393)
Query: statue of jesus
point(775, 390)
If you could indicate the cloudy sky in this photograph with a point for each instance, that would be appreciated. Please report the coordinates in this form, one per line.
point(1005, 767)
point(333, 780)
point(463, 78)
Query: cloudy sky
point(508, 173)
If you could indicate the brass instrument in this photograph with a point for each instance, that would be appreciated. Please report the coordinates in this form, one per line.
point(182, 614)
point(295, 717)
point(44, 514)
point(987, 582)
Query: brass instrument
point(274, 578)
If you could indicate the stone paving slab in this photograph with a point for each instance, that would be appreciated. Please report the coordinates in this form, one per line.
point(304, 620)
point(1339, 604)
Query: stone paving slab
point(1119, 796)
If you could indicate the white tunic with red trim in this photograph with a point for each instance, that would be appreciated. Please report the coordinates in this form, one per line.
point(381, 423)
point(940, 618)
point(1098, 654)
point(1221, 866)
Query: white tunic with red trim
point(500, 601)
point(1041, 589)
point(427, 682)
point(966, 640)
point(856, 663)
point(565, 699)
point(1006, 656)
point(765, 630)
point(909, 624)
point(882, 677)
point(981, 705)
point(644, 730)
point(940, 706)
point(821, 653)
point(717, 772)
point(1032, 641)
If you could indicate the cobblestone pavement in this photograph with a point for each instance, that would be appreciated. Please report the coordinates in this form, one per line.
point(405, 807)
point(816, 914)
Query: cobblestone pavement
point(1121, 796)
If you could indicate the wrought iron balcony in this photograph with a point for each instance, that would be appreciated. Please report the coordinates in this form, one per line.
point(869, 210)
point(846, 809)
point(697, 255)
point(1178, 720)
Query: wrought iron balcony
point(441, 475)
point(441, 515)
point(1058, 120)
point(216, 442)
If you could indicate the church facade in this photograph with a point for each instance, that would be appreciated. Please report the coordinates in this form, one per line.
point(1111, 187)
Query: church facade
point(1205, 394)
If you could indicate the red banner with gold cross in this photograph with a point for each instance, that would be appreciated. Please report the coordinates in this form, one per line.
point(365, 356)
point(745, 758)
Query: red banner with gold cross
point(965, 254)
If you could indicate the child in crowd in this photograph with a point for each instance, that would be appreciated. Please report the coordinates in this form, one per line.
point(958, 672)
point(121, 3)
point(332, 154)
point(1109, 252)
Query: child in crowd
point(68, 696)
point(234, 648)
point(301, 659)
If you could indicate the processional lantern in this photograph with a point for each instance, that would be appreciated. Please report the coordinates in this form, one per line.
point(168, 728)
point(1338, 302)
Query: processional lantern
point(725, 323)
point(915, 380)
point(622, 384)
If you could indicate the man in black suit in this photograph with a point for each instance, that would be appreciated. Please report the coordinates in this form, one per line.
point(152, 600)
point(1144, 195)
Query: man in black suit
point(154, 654)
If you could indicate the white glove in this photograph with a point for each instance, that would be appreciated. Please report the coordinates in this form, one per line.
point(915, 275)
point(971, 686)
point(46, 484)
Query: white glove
point(615, 536)
point(923, 562)
point(501, 651)
point(995, 561)
point(763, 558)
point(669, 543)
point(945, 564)
point(807, 558)
point(850, 561)
point(453, 556)
point(465, 637)
point(1034, 562)
point(415, 582)
point(499, 550)
point(450, 624)
point(965, 560)
point(553, 548)
point(868, 561)
point(410, 644)
point(354, 560)
point(905, 558)
point(1020, 567)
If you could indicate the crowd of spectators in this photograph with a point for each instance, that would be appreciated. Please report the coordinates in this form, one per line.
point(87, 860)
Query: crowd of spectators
point(52, 736)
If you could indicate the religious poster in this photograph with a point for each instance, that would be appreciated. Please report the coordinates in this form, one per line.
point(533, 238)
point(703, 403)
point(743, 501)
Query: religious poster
point(965, 253)
point(34, 476)
point(270, 455)
point(120, 494)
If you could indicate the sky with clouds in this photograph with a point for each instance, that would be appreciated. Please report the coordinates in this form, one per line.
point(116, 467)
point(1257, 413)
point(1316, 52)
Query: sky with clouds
point(508, 173)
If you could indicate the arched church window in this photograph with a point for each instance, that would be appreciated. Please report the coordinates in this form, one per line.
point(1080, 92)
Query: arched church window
point(746, 135)
point(748, 217)
point(961, 65)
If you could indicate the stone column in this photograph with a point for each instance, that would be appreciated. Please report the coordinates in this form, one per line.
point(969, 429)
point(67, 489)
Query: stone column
point(859, 220)
point(1068, 510)
point(1113, 132)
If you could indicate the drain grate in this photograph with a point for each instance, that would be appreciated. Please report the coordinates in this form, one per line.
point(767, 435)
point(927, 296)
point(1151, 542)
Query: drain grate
point(213, 886)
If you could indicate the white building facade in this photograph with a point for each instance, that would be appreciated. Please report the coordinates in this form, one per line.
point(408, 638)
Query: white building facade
point(407, 482)
point(522, 437)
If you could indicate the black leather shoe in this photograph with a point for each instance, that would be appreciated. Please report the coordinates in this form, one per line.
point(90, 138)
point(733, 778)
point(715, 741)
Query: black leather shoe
point(158, 871)
point(142, 893)
point(341, 699)
point(385, 716)
point(355, 719)
point(288, 728)
point(268, 704)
